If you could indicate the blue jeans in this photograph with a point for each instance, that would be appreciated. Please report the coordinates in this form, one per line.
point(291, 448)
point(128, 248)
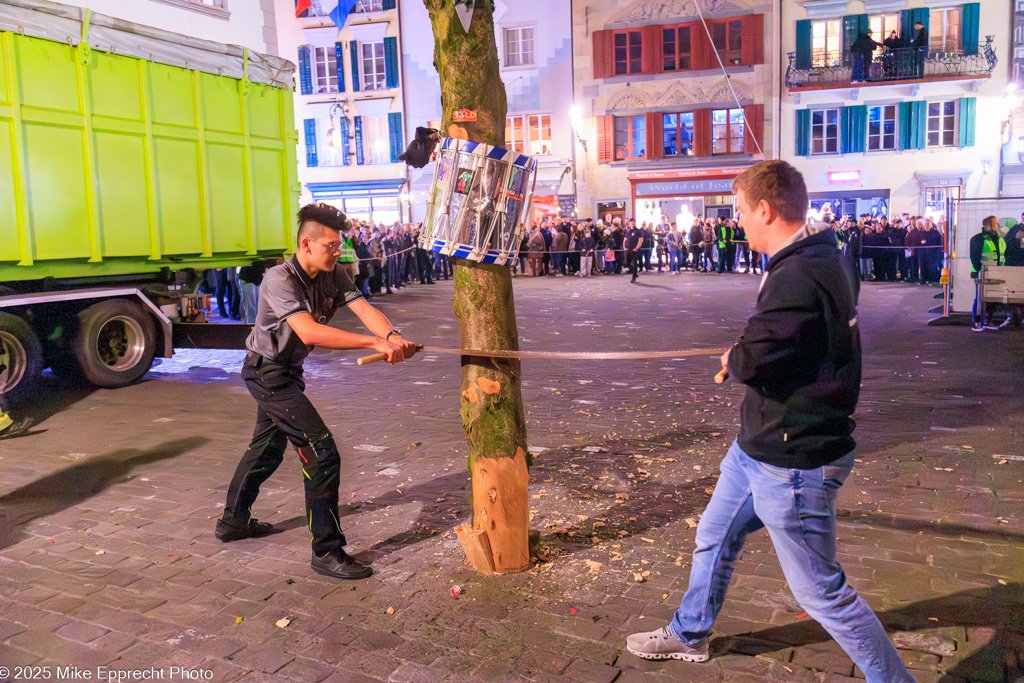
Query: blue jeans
point(674, 258)
point(558, 263)
point(797, 507)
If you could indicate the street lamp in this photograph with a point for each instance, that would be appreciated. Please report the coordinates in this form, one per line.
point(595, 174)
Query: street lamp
point(576, 117)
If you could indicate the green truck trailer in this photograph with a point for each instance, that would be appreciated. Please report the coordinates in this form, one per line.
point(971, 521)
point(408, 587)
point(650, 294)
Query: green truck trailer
point(132, 160)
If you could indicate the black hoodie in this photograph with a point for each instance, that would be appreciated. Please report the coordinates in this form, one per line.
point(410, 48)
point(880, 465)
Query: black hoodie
point(800, 358)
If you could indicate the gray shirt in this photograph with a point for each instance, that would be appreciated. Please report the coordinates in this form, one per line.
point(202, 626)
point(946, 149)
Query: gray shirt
point(287, 290)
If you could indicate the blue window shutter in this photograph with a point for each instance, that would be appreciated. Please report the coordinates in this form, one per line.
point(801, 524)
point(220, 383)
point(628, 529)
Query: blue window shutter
point(908, 18)
point(310, 142)
point(969, 30)
point(354, 51)
point(853, 124)
point(359, 139)
point(389, 4)
point(917, 124)
point(391, 62)
point(395, 134)
point(340, 64)
point(305, 74)
point(803, 132)
point(803, 44)
point(967, 110)
point(345, 160)
point(922, 14)
point(904, 126)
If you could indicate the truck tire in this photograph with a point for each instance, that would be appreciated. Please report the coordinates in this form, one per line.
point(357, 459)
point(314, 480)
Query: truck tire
point(21, 357)
point(115, 343)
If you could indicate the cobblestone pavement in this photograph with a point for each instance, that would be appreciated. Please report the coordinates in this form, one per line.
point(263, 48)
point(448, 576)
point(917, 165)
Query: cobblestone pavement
point(107, 553)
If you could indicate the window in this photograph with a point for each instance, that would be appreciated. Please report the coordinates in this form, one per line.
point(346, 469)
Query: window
point(826, 42)
point(210, 3)
point(676, 44)
point(678, 134)
point(328, 142)
point(519, 46)
point(325, 69)
point(368, 6)
point(630, 138)
point(529, 134)
point(318, 8)
point(628, 50)
point(376, 140)
point(882, 25)
point(825, 131)
point(882, 125)
point(945, 30)
point(942, 124)
point(726, 37)
point(373, 66)
point(727, 131)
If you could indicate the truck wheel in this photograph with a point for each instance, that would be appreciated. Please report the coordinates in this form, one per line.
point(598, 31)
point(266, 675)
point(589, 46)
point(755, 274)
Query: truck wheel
point(115, 343)
point(21, 357)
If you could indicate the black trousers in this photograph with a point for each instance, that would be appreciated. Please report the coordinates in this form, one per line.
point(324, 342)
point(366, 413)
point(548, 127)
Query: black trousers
point(283, 415)
point(634, 259)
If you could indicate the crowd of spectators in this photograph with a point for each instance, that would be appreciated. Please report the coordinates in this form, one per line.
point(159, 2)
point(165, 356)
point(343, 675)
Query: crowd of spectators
point(613, 245)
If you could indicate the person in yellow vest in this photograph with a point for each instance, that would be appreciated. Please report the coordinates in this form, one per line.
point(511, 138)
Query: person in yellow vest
point(348, 255)
point(5, 418)
point(987, 248)
point(726, 246)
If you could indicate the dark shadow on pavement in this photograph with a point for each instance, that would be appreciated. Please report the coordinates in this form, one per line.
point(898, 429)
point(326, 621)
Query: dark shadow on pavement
point(913, 525)
point(1000, 609)
point(53, 395)
point(72, 485)
point(630, 505)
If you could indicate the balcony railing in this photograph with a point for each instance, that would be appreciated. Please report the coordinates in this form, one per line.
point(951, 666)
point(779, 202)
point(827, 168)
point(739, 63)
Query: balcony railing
point(893, 65)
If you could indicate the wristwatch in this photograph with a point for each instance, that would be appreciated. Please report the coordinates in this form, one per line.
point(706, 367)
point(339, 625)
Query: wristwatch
point(393, 332)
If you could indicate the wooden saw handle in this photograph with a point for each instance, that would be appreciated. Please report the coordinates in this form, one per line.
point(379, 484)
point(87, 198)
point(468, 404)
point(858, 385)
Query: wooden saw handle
point(374, 357)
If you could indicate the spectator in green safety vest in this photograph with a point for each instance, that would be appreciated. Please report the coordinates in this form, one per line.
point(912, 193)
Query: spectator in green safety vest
point(726, 246)
point(987, 249)
point(348, 254)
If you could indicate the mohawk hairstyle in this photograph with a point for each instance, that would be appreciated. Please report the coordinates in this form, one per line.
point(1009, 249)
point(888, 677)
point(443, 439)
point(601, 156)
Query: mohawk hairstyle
point(324, 214)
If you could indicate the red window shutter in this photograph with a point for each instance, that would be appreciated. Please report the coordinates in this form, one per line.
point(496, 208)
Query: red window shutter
point(604, 65)
point(653, 133)
point(753, 39)
point(701, 48)
point(653, 49)
point(754, 114)
point(702, 133)
point(605, 139)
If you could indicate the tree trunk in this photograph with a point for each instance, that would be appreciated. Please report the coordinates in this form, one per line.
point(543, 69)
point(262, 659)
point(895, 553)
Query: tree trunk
point(492, 401)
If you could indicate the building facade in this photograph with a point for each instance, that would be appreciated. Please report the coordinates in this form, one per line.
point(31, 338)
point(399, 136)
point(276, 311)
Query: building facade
point(349, 106)
point(535, 55)
point(249, 23)
point(674, 100)
point(900, 127)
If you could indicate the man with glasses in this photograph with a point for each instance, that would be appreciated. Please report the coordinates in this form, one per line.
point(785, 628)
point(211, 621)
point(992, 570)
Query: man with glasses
point(296, 302)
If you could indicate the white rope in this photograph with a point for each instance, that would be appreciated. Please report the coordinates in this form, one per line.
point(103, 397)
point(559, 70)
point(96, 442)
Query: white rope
point(728, 81)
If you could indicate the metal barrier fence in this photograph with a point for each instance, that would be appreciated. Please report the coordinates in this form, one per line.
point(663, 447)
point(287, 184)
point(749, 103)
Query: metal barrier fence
point(966, 216)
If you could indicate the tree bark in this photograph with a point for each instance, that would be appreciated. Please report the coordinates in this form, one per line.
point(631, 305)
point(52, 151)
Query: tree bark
point(492, 401)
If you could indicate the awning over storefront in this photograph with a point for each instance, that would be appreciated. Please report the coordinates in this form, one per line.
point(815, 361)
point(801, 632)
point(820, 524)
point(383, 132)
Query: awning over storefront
point(366, 188)
point(684, 182)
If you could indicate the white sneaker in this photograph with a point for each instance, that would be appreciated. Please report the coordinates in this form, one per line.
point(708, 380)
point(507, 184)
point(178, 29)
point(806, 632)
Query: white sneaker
point(663, 644)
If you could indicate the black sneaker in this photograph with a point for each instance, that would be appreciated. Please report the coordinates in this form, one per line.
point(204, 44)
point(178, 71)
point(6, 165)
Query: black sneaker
point(227, 531)
point(340, 566)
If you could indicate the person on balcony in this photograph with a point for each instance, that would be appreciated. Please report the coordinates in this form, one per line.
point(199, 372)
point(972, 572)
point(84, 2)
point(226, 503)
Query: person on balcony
point(893, 45)
point(920, 46)
point(862, 53)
